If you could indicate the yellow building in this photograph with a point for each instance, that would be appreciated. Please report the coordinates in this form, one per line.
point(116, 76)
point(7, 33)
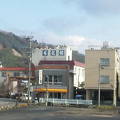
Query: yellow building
point(102, 74)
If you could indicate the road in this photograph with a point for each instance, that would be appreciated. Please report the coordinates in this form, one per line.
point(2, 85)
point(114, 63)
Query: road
point(55, 113)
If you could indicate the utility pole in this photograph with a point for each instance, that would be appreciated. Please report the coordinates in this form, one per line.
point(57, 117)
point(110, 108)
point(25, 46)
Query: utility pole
point(29, 67)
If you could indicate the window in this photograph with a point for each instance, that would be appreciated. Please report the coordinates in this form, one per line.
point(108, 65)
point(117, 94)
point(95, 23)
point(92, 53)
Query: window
point(60, 78)
point(61, 52)
point(16, 74)
point(68, 57)
point(46, 78)
point(45, 52)
point(3, 74)
point(53, 52)
point(50, 78)
point(104, 61)
point(53, 79)
point(57, 78)
point(104, 79)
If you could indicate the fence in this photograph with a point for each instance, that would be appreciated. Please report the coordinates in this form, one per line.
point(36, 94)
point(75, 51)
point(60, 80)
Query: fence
point(66, 101)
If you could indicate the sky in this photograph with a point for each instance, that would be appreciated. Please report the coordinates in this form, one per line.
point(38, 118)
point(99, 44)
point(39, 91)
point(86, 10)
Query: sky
point(77, 23)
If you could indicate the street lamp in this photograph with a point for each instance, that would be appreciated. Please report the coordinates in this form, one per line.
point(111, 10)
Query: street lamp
point(99, 81)
point(99, 86)
point(47, 93)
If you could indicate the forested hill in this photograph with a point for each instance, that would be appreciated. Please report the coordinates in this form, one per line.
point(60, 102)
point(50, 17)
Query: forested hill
point(11, 50)
point(10, 40)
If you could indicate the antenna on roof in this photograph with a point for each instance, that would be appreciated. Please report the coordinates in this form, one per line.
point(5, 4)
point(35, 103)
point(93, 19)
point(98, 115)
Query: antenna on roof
point(105, 44)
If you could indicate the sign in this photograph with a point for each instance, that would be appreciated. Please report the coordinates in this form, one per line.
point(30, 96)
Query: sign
point(40, 76)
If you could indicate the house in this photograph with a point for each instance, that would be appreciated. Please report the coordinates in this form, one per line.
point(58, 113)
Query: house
point(13, 80)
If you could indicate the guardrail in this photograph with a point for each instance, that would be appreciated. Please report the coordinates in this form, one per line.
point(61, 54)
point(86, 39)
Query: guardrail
point(66, 101)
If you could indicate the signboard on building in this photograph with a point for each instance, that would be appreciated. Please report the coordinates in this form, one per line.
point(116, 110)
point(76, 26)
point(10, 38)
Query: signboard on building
point(40, 76)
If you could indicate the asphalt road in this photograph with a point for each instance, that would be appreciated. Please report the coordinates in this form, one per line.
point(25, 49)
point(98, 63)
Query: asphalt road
point(54, 113)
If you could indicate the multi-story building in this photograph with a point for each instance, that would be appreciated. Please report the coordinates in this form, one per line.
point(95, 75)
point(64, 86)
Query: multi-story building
point(56, 72)
point(58, 78)
point(102, 74)
point(58, 53)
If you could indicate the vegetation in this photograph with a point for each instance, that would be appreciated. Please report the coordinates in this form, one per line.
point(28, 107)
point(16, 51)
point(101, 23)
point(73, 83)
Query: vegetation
point(8, 59)
point(78, 57)
point(10, 41)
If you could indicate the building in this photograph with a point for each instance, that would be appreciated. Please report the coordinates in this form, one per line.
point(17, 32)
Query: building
point(57, 53)
point(102, 74)
point(57, 79)
point(56, 72)
point(13, 80)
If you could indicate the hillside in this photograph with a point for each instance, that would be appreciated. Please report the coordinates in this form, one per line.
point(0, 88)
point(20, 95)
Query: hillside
point(12, 52)
point(10, 40)
point(78, 57)
point(8, 59)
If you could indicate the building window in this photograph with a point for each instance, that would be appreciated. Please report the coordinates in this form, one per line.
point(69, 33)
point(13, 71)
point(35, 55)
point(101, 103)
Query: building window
point(48, 78)
point(61, 52)
point(53, 79)
point(53, 52)
point(57, 78)
point(45, 52)
point(60, 78)
point(104, 79)
point(3, 74)
point(16, 74)
point(104, 61)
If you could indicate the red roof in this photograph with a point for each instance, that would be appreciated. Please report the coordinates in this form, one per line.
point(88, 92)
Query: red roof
point(14, 69)
point(72, 63)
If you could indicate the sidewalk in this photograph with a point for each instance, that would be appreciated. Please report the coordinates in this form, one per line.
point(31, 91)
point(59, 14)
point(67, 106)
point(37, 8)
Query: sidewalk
point(6, 104)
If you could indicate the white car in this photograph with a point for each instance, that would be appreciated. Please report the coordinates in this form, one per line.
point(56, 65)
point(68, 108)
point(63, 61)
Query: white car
point(24, 97)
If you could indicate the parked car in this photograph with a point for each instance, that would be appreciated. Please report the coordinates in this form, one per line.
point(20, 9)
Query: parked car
point(24, 97)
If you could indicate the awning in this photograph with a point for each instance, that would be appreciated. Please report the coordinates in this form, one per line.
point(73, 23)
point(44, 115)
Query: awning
point(50, 90)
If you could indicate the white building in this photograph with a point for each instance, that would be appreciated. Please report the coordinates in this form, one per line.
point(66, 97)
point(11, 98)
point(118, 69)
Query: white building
point(79, 75)
point(58, 53)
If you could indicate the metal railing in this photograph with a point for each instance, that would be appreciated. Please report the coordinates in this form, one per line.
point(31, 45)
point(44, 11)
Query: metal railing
point(66, 101)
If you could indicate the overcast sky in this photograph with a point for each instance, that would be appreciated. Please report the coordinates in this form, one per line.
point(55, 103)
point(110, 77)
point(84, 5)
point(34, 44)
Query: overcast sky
point(77, 23)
